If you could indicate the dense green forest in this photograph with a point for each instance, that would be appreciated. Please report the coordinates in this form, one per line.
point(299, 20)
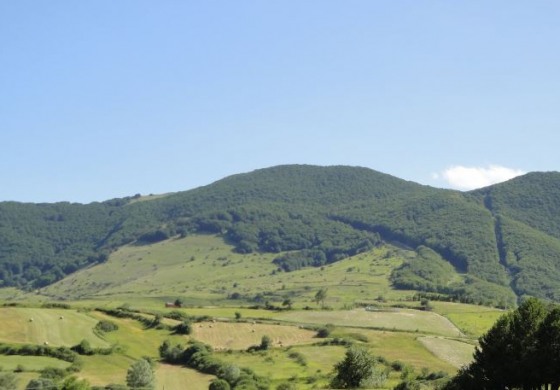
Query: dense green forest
point(503, 240)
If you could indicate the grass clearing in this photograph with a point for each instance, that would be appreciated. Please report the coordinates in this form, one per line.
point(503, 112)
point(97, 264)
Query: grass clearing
point(275, 365)
point(455, 352)
point(401, 346)
point(58, 327)
point(170, 377)
point(30, 363)
point(101, 370)
point(473, 320)
point(148, 275)
point(23, 379)
point(321, 358)
point(135, 339)
point(401, 319)
point(242, 335)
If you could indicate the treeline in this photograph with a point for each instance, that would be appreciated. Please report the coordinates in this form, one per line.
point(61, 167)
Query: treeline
point(521, 351)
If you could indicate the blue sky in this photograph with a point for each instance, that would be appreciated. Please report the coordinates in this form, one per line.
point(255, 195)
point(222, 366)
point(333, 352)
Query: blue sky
point(103, 99)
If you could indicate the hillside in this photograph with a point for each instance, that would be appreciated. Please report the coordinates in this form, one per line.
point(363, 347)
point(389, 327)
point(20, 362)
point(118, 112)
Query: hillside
point(491, 245)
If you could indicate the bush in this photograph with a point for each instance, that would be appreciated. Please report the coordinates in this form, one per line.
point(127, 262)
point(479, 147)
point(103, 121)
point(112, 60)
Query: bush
point(84, 348)
point(325, 331)
point(219, 384)
point(106, 326)
point(184, 327)
point(286, 386)
point(40, 384)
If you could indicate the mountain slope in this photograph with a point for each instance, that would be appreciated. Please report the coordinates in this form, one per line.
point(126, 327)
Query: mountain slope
point(505, 239)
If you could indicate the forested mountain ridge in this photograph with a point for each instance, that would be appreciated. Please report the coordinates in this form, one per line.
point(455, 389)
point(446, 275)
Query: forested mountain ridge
point(504, 239)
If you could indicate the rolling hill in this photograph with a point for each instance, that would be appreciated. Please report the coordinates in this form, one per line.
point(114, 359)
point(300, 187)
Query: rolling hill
point(492, 245)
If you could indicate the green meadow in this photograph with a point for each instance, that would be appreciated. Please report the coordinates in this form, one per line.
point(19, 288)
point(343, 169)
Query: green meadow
point(145, 274)
point(231, 291)
point(56, 327)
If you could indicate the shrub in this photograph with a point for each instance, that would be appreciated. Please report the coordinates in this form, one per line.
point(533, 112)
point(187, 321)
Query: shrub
point(184, 327)
point(325, 331)
point(219, 384)
point(106, 326)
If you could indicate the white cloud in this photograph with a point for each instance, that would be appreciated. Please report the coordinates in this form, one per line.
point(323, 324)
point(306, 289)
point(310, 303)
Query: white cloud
point(469, 178)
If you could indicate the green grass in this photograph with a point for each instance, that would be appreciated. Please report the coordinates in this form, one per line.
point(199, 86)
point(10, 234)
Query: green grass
point(179, 378)
point(398, 319)
point(30, 363)
point(148, 275)
point(473, 320)
point(101, 370)
point(145, 277)
point(23, 379)
point(135, 340)
point(56, 326)
point(455, 352)
point(277, 366)
point(401, 346)
point(321, 358)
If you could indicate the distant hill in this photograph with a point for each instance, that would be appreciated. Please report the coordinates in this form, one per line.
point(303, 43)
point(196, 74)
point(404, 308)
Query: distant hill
point(503, 239)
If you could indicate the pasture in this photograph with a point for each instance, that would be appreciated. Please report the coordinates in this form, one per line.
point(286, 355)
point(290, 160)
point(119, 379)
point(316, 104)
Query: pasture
point(134, 340)
point(23, 379)
point(454, 352)
point(179, 378)
point(399, 346)
point(147, 275)
point(30, 363)
point(229, 335)
point(277, 366)
point(473, 320)
point(57, 327)
point(396, 319)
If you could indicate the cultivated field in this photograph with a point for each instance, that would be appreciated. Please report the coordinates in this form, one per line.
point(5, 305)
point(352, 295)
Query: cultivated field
point(179, 378)
point(472, 320)
point(225, 335)
point(397, 319)
point(399, 346)
point(56, 327)
point(455, 352)
point(30, 363)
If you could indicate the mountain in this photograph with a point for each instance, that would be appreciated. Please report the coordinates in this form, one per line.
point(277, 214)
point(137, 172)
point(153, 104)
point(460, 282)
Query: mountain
point(504, 240)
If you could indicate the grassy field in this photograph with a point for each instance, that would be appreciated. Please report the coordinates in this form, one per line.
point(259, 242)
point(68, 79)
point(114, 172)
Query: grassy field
point(398, 319)
point(275, 365)
point(56, 326)
point(179, 378)
point(472, 320)
point(148, 275)
point(30, 363)
point(23, 379)
point(455, 352)
point(400, 346)
point(145, 277)
point(101, 370)
point(135, 340)
point(225, 335)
